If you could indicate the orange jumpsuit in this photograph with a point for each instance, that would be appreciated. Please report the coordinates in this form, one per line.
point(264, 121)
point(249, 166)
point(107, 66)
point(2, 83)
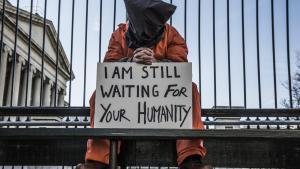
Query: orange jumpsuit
point(171, 47)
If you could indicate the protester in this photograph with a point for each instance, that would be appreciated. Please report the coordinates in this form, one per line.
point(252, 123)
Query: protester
point(146, 39)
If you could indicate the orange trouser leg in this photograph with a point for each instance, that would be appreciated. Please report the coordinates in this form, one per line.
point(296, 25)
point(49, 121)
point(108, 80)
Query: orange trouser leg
point(186, 148)
point(98, 149)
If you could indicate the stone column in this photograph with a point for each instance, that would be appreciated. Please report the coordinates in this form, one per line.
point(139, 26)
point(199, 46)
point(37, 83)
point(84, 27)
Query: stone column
point(30, 79)
point(16, 87)
point(47, 93)
point(36, 90)
point(22, 100)
point(7, 103)
point(6, 51)
point(61, 98)
point(22, 97)
point(24, 81)
point(17, 76)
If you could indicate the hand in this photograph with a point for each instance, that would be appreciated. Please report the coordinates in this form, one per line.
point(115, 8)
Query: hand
point(143, 55)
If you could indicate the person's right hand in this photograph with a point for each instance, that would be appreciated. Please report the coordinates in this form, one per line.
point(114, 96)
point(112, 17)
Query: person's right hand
point(143, 55)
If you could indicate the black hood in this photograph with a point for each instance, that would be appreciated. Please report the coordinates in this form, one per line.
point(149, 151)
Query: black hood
point(146, 21)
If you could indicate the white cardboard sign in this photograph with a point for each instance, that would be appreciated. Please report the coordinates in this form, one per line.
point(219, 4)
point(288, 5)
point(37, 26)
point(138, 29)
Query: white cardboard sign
point(131, 95)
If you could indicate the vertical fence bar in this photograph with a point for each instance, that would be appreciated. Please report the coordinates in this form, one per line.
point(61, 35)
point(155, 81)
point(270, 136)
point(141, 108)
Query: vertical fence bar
point(115, 10)
point(185, 18)
point(113, 154)
point(85, 49)
point(29, 52)
point(244, 60)
point(214, 56)
point(199, 12)
point(258, 53)
point(71, 57)
point(2, 30)
point(43, 53)
point(199, 48)
point(85, 52)
point(171, 20)
point(57, 54)
point(228, 54)
point(28, 58)
point(274, 59)
point(1, 47)
point(100, 30)
point(288, 57)
point(274, 55)
point(14, 55)
point(258, 58)
point(288, 53)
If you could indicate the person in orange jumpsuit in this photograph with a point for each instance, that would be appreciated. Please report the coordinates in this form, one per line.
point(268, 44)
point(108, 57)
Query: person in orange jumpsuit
point(146, 39)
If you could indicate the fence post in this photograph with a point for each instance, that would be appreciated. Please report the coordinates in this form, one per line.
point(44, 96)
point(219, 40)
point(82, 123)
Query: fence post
point(113, 154)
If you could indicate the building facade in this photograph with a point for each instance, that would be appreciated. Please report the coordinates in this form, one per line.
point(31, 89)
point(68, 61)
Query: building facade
point(14, 72)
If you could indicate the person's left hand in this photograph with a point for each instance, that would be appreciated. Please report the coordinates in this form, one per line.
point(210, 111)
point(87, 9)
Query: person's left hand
point(144, 55)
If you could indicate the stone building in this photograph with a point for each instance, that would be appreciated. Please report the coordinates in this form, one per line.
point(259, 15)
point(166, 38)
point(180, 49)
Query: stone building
point(21, 63)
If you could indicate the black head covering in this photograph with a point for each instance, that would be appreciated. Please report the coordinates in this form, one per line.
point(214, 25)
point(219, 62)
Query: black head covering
point(146, 21)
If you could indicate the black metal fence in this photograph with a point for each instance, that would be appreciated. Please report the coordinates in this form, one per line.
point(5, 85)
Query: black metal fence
point(284, 94)
point(39, 70)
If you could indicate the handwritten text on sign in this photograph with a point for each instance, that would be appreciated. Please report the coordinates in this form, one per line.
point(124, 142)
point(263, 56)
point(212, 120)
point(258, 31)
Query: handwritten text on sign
point(131, 95)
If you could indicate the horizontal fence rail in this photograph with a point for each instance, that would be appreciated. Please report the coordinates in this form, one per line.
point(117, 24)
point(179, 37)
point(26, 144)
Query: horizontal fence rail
point(84, 111)
point(145, 134)
point(69, 114)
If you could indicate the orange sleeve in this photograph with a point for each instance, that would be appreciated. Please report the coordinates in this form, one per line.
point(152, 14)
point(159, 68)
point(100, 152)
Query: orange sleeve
point(176, 49)
point(115, 50)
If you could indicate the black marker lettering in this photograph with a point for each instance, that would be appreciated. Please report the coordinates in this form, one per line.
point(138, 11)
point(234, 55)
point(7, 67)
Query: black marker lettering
point(128, 71)
point(155, 92)
point(122, 115)
point(175, 72)
point(105, 111)
point(108, 117)
point(169, 89)
point(141, 112)
point(129, 87)
point(116, 91)
point(145, 91)
point(105, 72)
point(167, 71)
point(145, 71)
point(105, 93)
point(154, 70)
point(186, 114)
point(116, 73)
